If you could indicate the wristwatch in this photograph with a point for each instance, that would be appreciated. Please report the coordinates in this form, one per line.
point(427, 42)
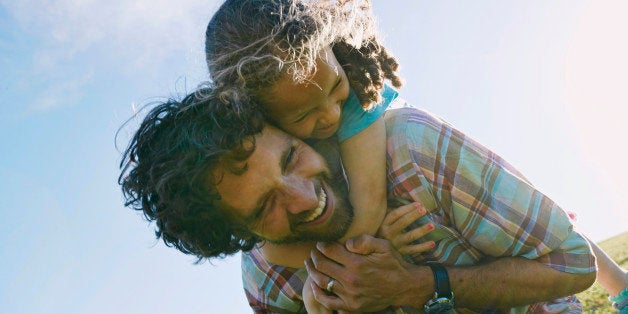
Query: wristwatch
point(443, 300)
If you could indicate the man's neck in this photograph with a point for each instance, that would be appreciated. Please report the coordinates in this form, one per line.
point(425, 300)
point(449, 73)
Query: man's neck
point(289, 255)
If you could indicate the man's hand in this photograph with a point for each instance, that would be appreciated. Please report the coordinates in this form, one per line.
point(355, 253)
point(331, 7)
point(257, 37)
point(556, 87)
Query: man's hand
point(311, 305)
point(370, 276)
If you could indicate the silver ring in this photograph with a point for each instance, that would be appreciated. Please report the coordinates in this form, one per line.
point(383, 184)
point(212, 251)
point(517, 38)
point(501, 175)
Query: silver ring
point(330, 285)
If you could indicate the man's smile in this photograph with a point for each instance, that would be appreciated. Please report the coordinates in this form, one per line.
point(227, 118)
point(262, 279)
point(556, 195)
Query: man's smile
point(319, 214)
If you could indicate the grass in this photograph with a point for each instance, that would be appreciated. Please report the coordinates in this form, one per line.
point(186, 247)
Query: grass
point(595, 299)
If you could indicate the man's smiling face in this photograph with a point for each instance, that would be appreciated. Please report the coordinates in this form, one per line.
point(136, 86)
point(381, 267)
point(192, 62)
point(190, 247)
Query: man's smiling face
point(284, 195)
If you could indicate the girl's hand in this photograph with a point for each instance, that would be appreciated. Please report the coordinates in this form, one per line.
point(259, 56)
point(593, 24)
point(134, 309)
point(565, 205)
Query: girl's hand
point(397, 220)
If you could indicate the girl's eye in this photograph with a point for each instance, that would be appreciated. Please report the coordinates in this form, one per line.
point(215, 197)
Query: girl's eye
point(302, 118)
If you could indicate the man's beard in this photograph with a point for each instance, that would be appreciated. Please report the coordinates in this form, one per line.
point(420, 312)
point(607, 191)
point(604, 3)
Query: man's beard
point(342, 217)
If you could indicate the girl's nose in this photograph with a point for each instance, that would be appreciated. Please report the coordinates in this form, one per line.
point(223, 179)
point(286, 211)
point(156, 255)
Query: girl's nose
point(330, 116)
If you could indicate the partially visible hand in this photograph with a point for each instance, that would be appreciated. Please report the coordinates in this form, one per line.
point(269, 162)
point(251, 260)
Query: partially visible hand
point(371, 280)
point(311, 305)
point(397, 220)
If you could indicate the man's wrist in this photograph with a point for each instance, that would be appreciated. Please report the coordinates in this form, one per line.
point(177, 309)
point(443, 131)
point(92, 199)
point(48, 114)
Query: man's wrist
point(443, 300)
point(419, 288)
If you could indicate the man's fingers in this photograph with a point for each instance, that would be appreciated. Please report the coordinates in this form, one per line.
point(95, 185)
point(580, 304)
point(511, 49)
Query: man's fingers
point(365, 244)
point(330, 301)
point(319, 278)
point(326, 266)
point(311, 305)
point(335, 251)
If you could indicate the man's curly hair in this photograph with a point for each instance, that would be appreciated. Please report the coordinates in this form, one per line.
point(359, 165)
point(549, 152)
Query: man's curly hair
point(250, 44)
point(167, 171)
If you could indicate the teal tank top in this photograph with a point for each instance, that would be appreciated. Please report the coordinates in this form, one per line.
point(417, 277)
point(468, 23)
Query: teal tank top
point(355, 118)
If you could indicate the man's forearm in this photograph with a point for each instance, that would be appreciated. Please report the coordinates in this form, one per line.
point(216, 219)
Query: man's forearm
point(370, 275)
point(503, 283)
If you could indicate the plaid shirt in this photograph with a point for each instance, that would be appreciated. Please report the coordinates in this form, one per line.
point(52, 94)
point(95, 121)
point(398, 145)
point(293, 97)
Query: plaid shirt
point(482, 207)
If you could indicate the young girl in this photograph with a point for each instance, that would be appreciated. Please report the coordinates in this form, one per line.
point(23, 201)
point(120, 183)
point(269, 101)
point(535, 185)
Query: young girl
point(317, 69)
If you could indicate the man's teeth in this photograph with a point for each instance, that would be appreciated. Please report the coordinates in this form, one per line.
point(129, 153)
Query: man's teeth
point(322, 201)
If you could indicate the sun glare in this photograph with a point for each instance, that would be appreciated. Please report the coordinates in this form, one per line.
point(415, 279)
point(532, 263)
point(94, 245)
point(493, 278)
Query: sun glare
point(596, 92)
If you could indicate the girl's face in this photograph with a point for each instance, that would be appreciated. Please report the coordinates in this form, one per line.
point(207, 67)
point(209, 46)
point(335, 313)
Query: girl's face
point(311, 109)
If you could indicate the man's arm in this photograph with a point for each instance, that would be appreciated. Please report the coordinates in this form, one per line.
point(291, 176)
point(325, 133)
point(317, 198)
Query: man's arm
point(513, 281)
point(488, 208)
point(371, 276)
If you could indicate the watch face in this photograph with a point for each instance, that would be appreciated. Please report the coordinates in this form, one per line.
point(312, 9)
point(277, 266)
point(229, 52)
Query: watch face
point(440, 305)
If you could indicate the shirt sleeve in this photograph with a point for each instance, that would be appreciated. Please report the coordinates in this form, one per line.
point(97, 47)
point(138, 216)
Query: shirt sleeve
point(271, 288)
point(486, 201)
point(355, 118)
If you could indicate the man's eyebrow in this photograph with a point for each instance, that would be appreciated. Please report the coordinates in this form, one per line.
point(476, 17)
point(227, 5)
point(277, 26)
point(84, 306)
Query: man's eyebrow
point(286, 147)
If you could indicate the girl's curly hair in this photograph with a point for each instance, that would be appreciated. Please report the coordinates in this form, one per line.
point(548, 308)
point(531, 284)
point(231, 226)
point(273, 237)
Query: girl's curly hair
point(250, 44)
point(167, 171)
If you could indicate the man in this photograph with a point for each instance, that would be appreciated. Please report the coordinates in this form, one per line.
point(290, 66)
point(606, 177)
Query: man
point(217, 182)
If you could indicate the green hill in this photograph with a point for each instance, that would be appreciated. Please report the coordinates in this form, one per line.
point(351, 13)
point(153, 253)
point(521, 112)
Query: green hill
point(595, 299)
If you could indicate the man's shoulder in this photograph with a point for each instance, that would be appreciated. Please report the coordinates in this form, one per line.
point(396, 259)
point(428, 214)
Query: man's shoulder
point(403, 116)
point(404, 111)
point(412, 125)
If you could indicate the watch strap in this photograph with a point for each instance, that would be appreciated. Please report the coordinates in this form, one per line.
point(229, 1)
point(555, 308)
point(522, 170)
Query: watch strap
point(441, 281)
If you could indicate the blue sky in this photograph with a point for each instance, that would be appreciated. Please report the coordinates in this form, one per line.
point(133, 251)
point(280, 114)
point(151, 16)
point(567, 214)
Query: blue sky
point(541, 83)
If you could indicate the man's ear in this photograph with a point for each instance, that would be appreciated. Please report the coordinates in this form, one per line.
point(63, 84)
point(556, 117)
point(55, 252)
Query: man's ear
point(243, 233)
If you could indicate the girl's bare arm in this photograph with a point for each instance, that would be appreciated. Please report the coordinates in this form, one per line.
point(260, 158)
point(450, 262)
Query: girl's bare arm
point(364, 159)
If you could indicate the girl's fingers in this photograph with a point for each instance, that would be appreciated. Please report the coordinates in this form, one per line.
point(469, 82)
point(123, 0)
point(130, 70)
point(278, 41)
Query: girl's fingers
point(417, 248)
point(400, 218)
point(398, 212)
point(410, 217)
point(415, 234)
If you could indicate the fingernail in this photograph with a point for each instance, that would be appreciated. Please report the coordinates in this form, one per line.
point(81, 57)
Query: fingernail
point(349, 244)
point(430, 227)
point(432, 244)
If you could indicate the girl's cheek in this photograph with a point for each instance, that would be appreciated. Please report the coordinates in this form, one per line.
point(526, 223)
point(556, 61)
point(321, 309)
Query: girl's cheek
point(300, 130)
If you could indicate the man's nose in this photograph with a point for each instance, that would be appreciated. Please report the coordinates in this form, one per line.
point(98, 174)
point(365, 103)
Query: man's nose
point(298, 195)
